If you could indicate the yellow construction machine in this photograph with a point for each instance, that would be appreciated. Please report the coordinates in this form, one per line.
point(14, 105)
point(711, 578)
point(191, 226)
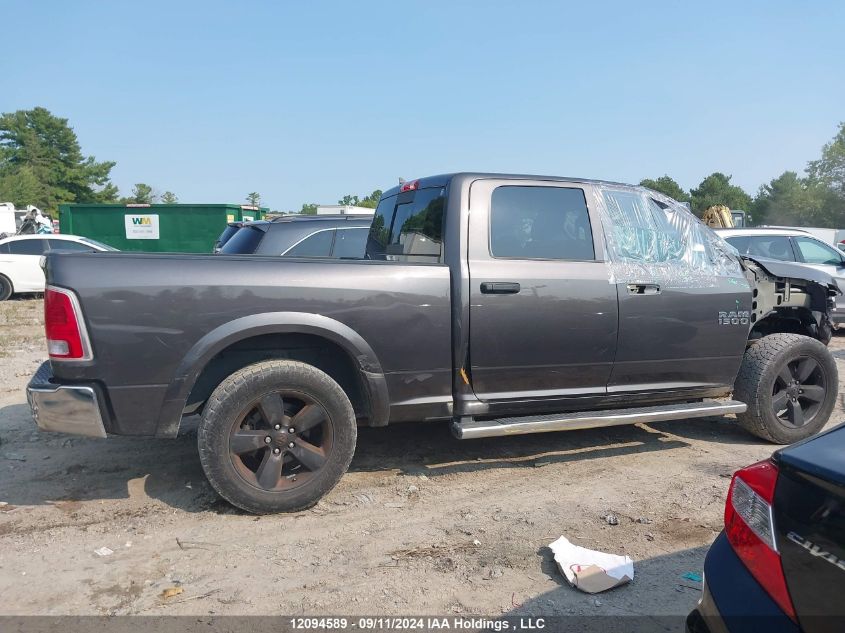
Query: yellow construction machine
point(721, 217)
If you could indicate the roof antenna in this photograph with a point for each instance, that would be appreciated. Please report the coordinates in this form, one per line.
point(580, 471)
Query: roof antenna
point(401, 181)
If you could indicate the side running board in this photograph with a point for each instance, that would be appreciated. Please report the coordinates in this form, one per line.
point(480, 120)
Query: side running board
point(470, 428)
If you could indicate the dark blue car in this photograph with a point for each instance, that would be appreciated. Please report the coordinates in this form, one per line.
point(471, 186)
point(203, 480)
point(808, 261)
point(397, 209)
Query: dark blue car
point(779, 564)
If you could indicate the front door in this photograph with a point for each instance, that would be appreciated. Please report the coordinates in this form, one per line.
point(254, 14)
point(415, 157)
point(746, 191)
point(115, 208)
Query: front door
point(682, 325)
point(543, 314)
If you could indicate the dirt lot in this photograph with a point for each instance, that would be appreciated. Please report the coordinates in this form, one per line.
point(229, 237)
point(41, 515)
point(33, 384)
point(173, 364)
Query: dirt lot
point(422, 523)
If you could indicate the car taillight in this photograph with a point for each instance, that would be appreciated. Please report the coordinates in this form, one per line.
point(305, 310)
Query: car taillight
point(66, 336)
point(409, 185)
point(750, 528)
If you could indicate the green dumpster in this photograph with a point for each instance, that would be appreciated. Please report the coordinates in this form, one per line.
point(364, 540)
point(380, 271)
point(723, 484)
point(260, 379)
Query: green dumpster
point(171, 228)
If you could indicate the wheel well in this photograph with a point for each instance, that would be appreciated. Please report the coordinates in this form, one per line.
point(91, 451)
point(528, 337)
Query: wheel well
point(313, 350)
point(788, 321)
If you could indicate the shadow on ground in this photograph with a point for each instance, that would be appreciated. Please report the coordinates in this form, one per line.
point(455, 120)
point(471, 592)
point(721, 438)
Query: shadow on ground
point(42, 468)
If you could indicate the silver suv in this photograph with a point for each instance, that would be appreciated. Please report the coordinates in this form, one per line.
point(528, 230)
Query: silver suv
point(792, 245)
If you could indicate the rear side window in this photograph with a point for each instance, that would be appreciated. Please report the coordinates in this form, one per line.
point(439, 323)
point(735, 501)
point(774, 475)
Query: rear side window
point(540, 223)
point(244, 242)
point(28, 247)
point(317, 244)
point(409, 227)
point(69, 245)
point(740, 243)
point(4, 249)
point(350, 243)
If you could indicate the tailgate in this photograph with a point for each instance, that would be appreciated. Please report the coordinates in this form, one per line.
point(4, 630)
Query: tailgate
point(809, 515)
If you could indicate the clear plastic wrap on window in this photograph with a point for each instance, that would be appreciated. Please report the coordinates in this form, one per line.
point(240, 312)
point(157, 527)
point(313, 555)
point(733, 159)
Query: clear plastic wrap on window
point(652, 239)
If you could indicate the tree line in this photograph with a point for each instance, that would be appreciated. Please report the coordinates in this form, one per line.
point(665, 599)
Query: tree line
point(41, 163)
point(817, 199)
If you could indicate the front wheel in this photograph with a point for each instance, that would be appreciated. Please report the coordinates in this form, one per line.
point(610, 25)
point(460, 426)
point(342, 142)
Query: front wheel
point(276, 436)
point(789, 383)
point(5, 288)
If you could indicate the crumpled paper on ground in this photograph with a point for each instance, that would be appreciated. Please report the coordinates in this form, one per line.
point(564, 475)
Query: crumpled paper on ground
point(591, 571)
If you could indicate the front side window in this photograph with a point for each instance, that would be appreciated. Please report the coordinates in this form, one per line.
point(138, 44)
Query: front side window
point(815, 252)
point(540, 223)
point(645, 229)
point(28, 247)
point(317, 244)
point(409, 227)
point(771, 247)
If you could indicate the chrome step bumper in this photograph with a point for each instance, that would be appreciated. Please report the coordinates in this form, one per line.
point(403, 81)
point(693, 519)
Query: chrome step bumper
point(64, 408)
point(469, 428)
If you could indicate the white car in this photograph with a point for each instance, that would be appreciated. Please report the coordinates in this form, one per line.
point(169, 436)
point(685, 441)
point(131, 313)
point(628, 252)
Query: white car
point(20, 271)
point(792, 245)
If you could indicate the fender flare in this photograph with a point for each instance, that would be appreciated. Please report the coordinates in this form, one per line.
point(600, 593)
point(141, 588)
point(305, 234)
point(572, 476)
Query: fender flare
point(246, 327)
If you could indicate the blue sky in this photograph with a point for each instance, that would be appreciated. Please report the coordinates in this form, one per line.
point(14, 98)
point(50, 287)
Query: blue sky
point(305, 102)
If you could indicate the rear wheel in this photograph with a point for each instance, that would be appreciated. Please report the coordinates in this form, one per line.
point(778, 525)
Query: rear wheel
point(276, 436)
point(5, 288)
point(789, 383)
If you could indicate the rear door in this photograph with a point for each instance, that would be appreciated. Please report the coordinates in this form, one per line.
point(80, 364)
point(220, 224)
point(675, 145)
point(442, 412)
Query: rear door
point(543, 314)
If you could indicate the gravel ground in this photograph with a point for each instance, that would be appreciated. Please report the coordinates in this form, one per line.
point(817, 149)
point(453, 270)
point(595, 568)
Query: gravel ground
point(422, 523)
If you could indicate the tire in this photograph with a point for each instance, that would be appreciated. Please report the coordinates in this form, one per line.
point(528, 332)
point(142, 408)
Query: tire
point(276, 436)
point(5, 288)
point(789, 383)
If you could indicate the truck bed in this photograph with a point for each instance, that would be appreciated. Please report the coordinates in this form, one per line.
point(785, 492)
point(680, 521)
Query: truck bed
point(152, 317)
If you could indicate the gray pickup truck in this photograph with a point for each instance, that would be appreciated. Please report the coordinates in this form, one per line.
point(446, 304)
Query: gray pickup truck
point(505, 304)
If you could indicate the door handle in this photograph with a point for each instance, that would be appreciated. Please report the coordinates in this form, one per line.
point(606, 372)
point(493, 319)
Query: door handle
point(499, 287)
point(643, 289)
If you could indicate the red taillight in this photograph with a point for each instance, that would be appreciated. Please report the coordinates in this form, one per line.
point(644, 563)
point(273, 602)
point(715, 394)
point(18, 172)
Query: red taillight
point(63, 324)
point(750, 528)
point(410, 185)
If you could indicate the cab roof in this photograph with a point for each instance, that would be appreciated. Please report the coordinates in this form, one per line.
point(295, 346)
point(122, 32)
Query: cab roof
point(442, 180)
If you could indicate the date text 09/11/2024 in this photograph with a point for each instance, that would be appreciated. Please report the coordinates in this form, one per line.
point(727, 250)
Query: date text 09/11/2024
point(417, 623)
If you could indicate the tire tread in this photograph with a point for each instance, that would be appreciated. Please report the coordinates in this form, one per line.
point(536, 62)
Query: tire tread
point(759, 358)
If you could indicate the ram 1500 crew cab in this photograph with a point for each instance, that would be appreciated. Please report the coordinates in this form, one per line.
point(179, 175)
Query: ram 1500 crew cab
point(504, 303)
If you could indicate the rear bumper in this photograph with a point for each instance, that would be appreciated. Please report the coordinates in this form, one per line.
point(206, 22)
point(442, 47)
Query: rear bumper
point(705, 618)
point(732, 600)
point(71, 409)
